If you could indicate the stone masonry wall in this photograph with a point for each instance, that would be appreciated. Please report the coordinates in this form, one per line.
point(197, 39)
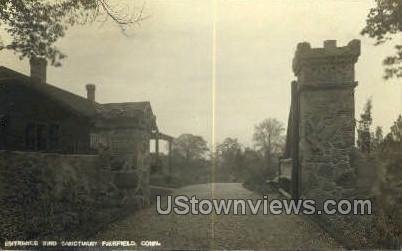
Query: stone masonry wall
point(128, 150)
point(326, 139)
point(60, 196)
point(325, 85)
point(326, 128)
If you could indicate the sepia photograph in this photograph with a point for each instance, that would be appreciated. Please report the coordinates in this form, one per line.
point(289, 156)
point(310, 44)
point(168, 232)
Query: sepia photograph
point(200, 125)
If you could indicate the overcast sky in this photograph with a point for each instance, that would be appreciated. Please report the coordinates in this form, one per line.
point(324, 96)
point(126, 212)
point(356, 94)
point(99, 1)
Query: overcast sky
point(168, 60)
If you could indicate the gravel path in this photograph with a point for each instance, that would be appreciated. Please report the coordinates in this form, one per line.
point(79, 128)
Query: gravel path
point(223, 231)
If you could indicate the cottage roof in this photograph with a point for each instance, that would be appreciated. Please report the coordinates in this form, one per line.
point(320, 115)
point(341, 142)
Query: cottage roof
point(77, 103)
point(128, 109)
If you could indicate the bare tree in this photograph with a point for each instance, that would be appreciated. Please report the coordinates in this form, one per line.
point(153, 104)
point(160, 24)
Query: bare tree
point(268, 138)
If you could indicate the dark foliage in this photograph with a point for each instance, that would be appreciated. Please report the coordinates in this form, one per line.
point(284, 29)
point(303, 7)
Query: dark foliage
point(384, 23)
point(36, 25)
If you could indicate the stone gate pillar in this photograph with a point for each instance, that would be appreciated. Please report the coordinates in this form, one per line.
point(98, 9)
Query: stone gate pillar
point(325, 86)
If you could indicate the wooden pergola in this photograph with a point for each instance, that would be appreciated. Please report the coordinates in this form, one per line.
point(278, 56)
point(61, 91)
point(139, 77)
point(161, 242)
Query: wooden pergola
point(156, 135)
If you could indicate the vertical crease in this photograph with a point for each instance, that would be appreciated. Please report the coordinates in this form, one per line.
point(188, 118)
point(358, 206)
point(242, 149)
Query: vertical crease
point(213, 100)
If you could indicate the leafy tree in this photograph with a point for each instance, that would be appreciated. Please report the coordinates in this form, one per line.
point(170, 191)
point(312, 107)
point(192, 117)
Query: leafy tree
point(396, 130)
point(393, 140)
point(190, 147)
point(34, 26)
point(384, 23)
point(377, 138)
point(363, 131)
point(390, 184)
point(229, 156)
point(190, 162)
point(228, 149)
point(253, 168)
point(268, 138)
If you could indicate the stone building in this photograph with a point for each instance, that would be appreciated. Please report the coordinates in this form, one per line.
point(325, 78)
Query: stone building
point(321, 127)
point(80, 164)
point(39, 117)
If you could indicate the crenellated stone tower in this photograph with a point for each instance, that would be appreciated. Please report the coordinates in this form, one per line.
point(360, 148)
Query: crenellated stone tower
point(325, 116)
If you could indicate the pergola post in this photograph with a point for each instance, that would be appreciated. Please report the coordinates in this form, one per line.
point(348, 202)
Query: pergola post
point(170, 158)
point(157, 136)
point(157, 145)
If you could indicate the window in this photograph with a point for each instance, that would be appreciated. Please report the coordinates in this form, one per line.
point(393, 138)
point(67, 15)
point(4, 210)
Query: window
point(30, 139)
point(3, 130)
point(41, 137)
point(54, 137)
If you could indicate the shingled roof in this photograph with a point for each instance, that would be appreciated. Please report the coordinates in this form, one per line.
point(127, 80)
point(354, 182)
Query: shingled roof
point(128, 109)
point(75, 102)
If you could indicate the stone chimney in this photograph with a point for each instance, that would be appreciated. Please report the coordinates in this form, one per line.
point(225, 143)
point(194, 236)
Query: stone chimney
point(91, 92)
point(330, 44)
point(38, 69)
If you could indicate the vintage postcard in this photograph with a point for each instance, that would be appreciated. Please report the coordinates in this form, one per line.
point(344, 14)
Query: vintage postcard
point(200, 124)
